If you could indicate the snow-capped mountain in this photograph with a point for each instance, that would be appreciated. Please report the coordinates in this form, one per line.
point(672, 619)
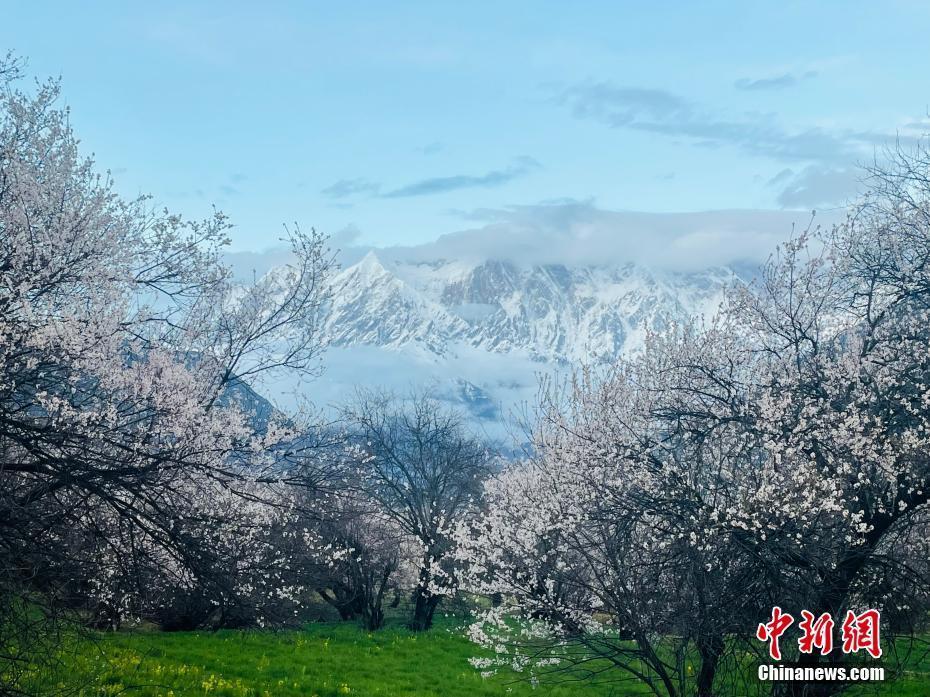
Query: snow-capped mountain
point(480, 314)
point(483, 332)
point(549, 313)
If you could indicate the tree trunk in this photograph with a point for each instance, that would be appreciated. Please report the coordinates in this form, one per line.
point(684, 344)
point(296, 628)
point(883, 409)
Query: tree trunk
point(424, 607)
point(424, 602)
point(373, 618)
point(710, 649)
point(346, 602)
point(373, 611)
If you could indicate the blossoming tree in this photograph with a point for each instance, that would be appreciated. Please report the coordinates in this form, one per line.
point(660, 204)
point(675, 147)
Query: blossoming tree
point(122, 341)
point(776, 455)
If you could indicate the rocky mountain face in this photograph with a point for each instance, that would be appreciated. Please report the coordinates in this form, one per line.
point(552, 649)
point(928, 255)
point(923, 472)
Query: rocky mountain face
point(552, 313)
point(483, 332)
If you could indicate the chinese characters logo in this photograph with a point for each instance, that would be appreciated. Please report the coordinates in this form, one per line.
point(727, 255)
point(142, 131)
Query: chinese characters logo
point(860, 632)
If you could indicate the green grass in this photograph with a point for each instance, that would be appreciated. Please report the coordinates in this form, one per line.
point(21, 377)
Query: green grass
point(326, 660)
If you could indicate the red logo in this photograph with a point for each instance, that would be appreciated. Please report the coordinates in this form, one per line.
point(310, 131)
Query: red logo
point(818, 633)
point(860, 632)
point(772, 630)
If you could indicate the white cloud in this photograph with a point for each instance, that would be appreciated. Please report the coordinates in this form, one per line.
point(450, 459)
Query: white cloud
point(578, 233)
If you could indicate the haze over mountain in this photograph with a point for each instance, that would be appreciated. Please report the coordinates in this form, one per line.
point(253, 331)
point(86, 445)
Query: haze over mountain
point(481, 315)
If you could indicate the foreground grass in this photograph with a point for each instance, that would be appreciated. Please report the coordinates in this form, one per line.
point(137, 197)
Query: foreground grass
point(324, 660)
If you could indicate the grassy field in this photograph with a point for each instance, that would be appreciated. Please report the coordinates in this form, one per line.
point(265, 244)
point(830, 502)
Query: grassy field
point(324, 660)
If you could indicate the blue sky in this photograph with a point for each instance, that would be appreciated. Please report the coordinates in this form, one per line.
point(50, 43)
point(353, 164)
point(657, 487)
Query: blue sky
point(394, 123)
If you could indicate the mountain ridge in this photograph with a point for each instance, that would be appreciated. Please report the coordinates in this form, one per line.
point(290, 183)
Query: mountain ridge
point(556, 313)
point(481, 334)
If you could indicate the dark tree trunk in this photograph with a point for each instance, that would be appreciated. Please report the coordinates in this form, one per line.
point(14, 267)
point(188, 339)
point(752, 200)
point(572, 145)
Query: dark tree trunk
point(373, 618)
point(373, 610)
point(424, 602)
point(347, 603)
point(424, 607)
point(710, 649)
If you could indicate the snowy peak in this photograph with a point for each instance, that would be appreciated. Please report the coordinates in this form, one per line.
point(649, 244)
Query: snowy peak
point(372, 306)
point(552, 313)
point(370, 266)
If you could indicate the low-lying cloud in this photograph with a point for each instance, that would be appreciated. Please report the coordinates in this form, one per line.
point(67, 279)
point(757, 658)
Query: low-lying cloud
point(579, 233)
